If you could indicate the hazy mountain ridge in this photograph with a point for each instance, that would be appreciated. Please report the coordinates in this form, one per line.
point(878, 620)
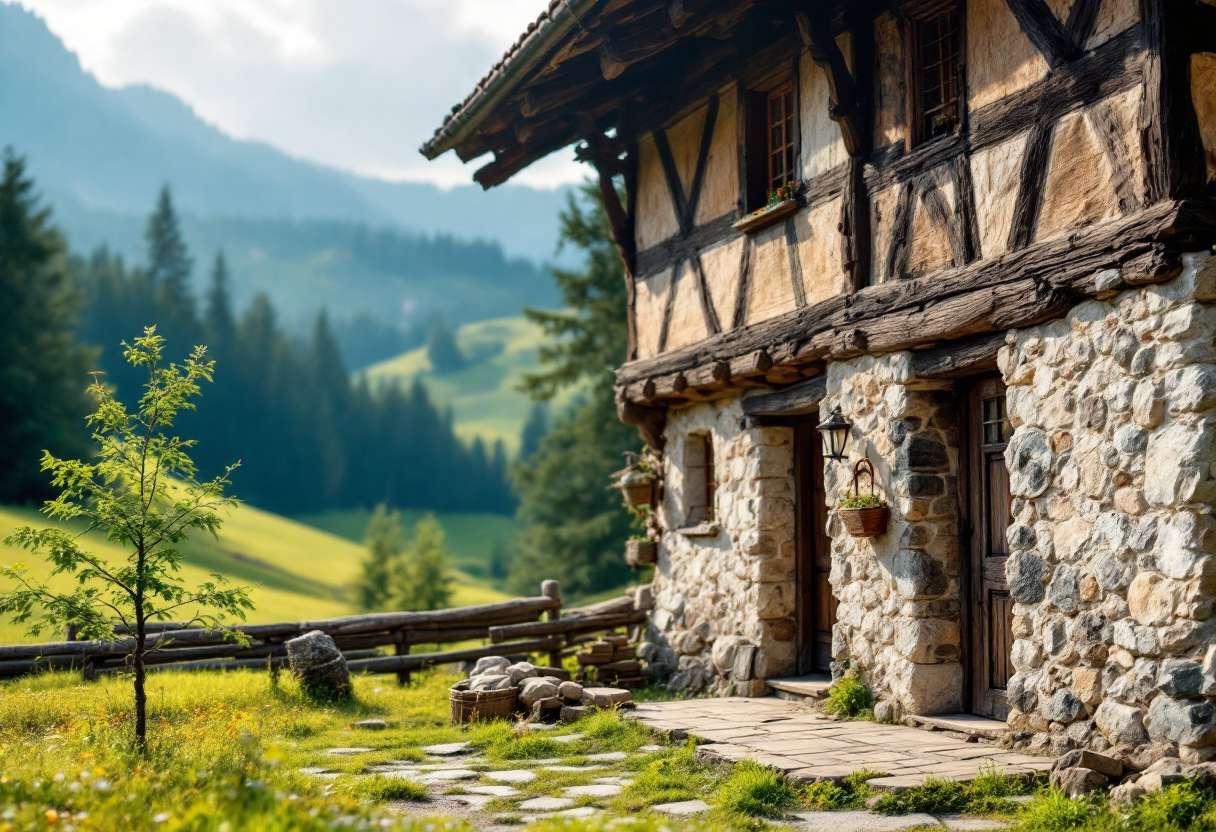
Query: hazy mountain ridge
point(100, 155)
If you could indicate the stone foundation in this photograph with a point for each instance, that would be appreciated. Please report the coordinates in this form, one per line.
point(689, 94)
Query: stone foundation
point(1111, 466)
point(724, 595)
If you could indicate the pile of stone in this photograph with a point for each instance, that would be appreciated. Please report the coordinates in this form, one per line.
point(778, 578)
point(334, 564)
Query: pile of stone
point(1127, 776)
point(614, 661)
point(544, 691)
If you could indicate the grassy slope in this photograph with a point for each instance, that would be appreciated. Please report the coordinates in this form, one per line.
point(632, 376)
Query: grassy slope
point(302, 572)
point(471, 537)
point(484, 395)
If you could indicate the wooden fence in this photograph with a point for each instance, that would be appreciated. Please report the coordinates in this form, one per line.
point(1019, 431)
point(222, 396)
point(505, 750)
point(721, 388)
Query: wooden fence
point(519, 626)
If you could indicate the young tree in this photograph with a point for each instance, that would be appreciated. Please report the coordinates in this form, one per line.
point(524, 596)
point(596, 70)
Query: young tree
point(423, 581)
point(143, 495)
point(374, 589)
point(42, 368)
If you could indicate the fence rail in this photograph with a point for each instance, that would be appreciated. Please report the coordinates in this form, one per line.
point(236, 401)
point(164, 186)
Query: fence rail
point(519, 626)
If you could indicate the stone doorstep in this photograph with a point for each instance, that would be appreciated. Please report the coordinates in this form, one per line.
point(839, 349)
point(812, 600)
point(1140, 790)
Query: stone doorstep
point(970, 724)
point(799, 688)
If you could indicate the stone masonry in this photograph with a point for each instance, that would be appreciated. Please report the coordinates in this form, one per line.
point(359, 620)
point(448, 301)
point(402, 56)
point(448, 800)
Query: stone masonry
point(897, 623)
point(724, 599)
point(1112, 567)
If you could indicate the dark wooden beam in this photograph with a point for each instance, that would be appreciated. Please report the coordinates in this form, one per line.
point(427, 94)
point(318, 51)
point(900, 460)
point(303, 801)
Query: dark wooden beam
point(959, 358)
point(1013, 290)
point(1044, 30)
point(849, 105)
point(650, 421)
point(1029, 201)
point(803, 398)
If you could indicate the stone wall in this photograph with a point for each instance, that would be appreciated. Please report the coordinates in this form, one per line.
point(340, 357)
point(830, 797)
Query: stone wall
point(897, 622)
point(1112, 567)
point(724, 599)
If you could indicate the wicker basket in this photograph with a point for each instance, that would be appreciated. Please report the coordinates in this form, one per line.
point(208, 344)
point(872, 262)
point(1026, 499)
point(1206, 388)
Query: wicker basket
point(865, 522)
point(641, 552)
point(481, 705)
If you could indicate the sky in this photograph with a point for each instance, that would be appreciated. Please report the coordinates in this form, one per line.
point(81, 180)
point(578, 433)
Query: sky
point(355, 84)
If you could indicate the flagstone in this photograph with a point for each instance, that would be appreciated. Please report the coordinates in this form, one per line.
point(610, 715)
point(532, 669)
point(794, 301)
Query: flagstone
point(546, 804)
point(962, 824)
point(575, 768)
point(683, 807)
point(445, 775)
point(568, 738)
point(445, 750)
point(511, 776)
point(609, 757)
point(493, 791)
point(596, 790)
point(861, 822)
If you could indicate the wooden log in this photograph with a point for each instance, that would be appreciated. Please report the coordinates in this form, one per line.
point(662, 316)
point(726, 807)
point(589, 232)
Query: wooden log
point(960, 358)
point(800, 399)
point(21, 667)
point(568, 625)
point(421, 661)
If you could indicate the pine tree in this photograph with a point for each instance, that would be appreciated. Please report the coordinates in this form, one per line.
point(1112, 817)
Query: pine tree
point(168, 270)
point(42, 368)
point(534, 430)
point(572, 527)
point(442, 350)
point(374, 588)
point(424, 581)
point(218, 322)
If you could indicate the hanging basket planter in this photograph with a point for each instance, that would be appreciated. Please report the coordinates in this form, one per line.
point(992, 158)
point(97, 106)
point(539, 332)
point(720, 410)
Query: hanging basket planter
point(639, 492)
point(641, 553)
point(863, 515)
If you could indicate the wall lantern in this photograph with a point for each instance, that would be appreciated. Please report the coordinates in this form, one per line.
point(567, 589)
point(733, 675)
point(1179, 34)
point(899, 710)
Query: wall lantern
point(835, 435)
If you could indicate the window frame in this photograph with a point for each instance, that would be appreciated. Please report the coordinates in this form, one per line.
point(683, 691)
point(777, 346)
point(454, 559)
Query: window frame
point(916, 15)
point(757, 151)
point(700, 481)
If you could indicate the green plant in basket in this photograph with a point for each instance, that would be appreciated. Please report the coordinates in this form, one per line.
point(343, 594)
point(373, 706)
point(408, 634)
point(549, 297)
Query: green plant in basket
point(849, 500)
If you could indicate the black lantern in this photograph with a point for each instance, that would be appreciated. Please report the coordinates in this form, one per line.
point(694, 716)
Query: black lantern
point(835, 435)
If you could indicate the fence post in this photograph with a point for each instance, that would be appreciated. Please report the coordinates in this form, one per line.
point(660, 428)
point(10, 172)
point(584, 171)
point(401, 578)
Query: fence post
point(553, 590)
point(402, 648)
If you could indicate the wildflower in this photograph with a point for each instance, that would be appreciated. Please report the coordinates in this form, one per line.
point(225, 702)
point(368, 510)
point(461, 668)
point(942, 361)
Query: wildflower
point(101, 785)
point(51, 816)
point(160, 818)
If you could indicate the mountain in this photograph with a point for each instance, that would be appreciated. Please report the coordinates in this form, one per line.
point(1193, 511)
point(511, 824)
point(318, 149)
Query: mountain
point(99, 156)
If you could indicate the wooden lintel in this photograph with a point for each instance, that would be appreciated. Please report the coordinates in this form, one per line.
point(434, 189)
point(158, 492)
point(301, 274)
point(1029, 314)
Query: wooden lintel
point(959, 358)
point(797, 400)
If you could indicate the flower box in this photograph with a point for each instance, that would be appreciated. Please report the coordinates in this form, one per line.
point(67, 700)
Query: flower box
point(766, 216)
point(865, 522)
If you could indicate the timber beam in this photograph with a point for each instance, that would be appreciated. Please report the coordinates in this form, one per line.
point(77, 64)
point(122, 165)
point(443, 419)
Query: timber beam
point(1018, 289)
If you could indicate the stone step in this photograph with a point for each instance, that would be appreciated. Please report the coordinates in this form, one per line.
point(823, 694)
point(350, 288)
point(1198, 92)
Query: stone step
point(799, 688)
point(970, 724)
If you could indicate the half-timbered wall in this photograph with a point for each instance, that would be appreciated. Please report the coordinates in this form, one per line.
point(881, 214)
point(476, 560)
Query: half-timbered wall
point(1056, 126)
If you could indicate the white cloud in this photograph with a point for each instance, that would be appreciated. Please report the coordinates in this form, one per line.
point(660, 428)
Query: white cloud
point(358, 84)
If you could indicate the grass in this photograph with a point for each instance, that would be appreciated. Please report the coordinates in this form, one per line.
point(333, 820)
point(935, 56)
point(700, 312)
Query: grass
point(850, 698)
point(988, 794)
point(1180, 808)
point(850, 795)
point(756, 791)
point(484, 396)
point(302, 572)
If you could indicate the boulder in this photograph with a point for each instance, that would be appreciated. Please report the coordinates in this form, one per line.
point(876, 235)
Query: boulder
point(520, 671)
point(570, 691)
point(1078, 781)
point(319, 665)
point(490, 663)
point(487, 682)
point(555, 703)
point(1165, 772)
point(1120, 724)
point(1182, 721)
point(1126, 794)
point(606, 697)
point(370, 725)
point(530, 694)
point(1084, 758)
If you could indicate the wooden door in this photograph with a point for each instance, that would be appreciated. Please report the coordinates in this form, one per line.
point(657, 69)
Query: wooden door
point(987, 516)
point(816, 603)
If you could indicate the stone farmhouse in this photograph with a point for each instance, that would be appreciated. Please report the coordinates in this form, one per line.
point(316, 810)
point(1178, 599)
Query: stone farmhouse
point(978, 232)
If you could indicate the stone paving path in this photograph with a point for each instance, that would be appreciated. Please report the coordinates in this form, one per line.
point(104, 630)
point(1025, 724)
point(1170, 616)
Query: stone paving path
point(808, 746)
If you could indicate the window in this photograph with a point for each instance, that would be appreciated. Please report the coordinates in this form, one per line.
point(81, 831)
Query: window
point(771, 140)
point(700, 481)
point(936, 72)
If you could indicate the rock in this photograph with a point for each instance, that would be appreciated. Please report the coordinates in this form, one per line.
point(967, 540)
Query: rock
point(1150, 599)
point(1120, 723)
point(1029, 458)
point(555, 703)
point(1078, 781)
point(1061, 706)
point(529, 695)
point(723, 654)
point(1182, 721)
point(546, 804)
point(606, 697)
point(683, 807)
point(1180, 678)
point(1062, 590)
point(1084, 758)
point(522, 670)
point(369, 725)
point(1126, 794)
point(918, 575)
point(445, 750)
point(487, 682)
point(573, 713)
point(490, 663)
point(570, 691)
point(1025, 571)
point(512, 776)
point(319, 665)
